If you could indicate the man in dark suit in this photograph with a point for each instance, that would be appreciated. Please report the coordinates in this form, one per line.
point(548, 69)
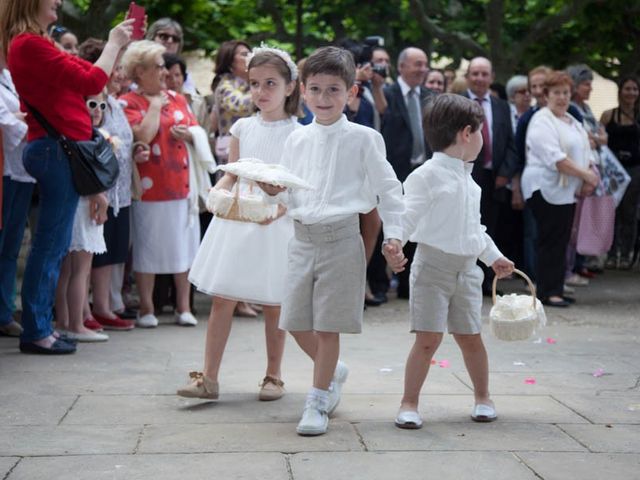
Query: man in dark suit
point(497, 163)
point(403, 135)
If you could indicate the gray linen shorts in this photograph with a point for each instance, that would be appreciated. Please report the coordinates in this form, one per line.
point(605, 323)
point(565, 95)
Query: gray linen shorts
point(325, 279)
point(445, 292)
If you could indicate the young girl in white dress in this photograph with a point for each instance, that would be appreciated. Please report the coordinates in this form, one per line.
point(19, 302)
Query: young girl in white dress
point(86, 239)
point(244, 261)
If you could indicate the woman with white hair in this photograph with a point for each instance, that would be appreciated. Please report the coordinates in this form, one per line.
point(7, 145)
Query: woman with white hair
point(165, 236)
point(519, 98)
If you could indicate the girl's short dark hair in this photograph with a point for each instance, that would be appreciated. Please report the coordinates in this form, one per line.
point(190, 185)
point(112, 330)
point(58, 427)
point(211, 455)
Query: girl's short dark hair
point(446, 115)
point(292, 104)
point(171, 59)
point(331, 61)
point(224, 59)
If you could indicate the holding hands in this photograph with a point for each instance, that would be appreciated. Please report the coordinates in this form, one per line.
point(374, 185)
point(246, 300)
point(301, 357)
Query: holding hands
point(269, 189)
point(503, 267)
point(393, 254)
point(98, 204)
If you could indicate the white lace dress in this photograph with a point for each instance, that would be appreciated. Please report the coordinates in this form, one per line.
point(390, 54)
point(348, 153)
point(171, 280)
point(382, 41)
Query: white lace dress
point(247, 261)
point(86, 236)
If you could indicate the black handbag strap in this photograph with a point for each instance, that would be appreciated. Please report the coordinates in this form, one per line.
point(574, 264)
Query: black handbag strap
point(43, 121)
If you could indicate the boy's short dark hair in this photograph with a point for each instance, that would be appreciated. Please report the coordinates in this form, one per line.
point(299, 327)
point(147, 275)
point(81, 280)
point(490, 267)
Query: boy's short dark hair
point(331, 61)
point(446, 115)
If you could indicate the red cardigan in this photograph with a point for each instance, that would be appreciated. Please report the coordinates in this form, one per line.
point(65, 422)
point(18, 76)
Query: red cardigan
point(55, 83)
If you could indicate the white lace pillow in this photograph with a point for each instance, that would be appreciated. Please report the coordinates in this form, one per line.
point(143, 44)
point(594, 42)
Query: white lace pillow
point(258, 171)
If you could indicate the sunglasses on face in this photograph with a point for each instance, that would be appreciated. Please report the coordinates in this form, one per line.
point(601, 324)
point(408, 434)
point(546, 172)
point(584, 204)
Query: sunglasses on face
point(93, 104)
point(166, 36)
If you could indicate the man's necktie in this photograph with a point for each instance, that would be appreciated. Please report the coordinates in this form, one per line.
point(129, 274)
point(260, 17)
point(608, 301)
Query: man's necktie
point(486, 140)
point(416, 125)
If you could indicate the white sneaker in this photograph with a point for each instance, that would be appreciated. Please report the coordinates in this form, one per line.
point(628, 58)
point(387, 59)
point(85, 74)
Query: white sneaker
point(408, 419)
point(335, 387)
point(314, 419)
point(186, 319)
point(147, 321)
point(568, 290)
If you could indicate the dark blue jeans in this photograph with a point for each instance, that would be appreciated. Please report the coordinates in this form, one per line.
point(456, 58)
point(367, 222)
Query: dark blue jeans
point(45, 161)
point(16, 199)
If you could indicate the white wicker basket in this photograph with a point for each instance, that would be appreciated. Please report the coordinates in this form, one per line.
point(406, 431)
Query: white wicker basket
point(516, 317)
point(245, 207)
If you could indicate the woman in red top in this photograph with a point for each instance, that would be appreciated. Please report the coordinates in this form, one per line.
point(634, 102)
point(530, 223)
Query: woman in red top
point(54, 83)
point(165, 235)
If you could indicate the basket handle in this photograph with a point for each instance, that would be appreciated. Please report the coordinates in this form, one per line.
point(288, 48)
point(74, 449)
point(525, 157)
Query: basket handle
point(532, 288)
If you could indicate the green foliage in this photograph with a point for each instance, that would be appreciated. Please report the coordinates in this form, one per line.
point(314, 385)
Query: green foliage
point(516, 34)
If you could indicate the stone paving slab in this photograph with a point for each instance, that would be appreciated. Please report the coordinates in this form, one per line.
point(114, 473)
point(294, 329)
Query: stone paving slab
point(34, 410)
point(246, 466)
point(582, 466)
point(604, 409)
point(6, 464)
point(457, 408)
point(468, 436)
point(238, 437)
point(409, 466)
point(68, 440)
point(549, 383)
point(609, 438)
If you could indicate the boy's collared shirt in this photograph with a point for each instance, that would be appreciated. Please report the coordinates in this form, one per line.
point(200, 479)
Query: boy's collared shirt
point(347, 165)
point(443, 209)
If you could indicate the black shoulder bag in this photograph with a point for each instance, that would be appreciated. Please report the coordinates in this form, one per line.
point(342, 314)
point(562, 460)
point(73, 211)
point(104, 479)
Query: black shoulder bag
point(94, 166)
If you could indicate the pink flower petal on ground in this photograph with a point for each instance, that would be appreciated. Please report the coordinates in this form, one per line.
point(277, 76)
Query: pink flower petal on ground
point(598, 372)
point(444, 363)
point(433, 362)
point(551, 341)
point(530, 381)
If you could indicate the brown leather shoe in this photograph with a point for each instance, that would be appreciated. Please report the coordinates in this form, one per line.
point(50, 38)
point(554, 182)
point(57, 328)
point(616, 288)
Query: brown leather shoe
point(200, 387)
point(271, 388)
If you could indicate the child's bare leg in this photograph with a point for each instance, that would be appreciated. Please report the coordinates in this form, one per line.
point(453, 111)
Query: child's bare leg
point(477, 363)
point(218, 329)
point(326, 358)
point(418, 363)
point(275, 339)
point(307, 341)
point(77, 289)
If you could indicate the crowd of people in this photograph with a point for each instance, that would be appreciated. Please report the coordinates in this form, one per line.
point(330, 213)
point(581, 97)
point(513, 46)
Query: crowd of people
point(537, 169)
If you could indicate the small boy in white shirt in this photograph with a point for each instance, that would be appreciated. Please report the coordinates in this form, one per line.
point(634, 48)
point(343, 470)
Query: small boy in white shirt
point(347, 165)
point(443, 217)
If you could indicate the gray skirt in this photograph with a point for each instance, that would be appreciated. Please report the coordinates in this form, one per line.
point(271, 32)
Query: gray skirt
point(445, 292)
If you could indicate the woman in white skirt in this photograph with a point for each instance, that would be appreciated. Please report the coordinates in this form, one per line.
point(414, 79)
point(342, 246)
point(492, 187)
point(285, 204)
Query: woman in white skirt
point(165, 233)
point(243, 261)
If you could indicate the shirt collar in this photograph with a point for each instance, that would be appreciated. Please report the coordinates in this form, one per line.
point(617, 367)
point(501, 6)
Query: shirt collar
point(473, 96)
point(449, 162)
point(404, 88)
point(334, 127)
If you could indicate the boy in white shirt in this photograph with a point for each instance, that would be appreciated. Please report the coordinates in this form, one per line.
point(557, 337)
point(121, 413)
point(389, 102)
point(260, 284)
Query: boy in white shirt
point(347, 165)
point(443, 217)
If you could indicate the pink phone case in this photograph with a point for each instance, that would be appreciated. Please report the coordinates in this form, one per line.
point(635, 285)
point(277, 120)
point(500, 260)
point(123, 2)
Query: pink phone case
point(137, 13)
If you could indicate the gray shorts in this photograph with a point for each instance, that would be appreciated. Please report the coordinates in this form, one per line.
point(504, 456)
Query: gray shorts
point(445, 292)
point(325, 279)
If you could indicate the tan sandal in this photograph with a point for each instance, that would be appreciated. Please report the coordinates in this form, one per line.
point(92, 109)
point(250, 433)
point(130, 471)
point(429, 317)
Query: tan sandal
point(200, 387)
point(271, 388)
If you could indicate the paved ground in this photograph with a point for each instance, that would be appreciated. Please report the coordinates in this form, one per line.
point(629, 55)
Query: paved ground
point(109, 412)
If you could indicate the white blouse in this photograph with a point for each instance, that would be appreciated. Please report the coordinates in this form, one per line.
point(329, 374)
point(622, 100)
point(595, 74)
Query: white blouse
point(443, 209)
point(14, 131)
point(549, 141)
point(347, 164)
